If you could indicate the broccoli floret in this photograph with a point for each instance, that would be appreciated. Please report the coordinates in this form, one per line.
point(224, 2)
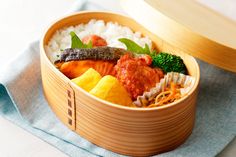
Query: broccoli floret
point(168, 62)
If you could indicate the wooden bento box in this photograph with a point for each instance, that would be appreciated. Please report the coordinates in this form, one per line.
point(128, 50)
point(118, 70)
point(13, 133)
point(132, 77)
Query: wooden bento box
point(124, 130)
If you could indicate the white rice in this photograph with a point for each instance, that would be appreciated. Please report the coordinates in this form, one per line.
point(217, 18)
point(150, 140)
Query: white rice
point(110, 31)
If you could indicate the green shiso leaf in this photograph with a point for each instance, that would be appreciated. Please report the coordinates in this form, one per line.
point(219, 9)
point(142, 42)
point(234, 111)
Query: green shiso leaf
point(133, 47)
point(89, 45)
point(77, 43)
point(147, 49)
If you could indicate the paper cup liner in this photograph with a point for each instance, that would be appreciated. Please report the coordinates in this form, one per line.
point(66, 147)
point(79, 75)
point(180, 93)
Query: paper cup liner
point(185, 81)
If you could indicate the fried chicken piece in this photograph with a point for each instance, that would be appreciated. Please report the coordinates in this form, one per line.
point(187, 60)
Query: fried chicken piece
point(136, 76)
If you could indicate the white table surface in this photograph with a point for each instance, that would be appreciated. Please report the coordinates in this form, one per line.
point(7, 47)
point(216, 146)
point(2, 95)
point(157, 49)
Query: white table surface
point(23, 21)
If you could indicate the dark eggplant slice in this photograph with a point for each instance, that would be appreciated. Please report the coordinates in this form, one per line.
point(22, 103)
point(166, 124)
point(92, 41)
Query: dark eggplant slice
point(96, 53)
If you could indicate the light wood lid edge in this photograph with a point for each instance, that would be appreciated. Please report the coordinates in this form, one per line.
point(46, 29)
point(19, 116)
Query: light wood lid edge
point(193, 43)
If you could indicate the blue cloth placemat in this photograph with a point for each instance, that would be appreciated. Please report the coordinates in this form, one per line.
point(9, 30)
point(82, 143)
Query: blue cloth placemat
point(23, 103)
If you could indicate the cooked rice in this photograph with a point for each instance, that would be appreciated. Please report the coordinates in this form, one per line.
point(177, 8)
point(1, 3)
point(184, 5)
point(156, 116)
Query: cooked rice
point(110, 31)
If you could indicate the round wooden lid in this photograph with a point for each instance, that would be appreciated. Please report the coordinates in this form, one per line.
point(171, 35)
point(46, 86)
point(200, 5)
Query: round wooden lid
point(190, 26)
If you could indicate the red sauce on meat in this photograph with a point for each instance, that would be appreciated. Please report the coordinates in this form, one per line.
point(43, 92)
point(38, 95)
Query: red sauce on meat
point(136, 75)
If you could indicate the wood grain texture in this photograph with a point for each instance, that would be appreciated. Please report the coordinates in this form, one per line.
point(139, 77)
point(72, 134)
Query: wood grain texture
point(129, 131)
point(188, 25)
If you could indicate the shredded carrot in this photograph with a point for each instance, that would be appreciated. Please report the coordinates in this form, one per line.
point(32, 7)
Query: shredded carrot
point(167, 95)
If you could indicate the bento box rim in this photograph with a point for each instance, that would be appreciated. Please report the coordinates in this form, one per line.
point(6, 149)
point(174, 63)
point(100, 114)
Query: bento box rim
point(59, 74)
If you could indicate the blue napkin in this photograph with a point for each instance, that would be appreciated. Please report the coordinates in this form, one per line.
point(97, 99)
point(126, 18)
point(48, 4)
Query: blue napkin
point(22, 102)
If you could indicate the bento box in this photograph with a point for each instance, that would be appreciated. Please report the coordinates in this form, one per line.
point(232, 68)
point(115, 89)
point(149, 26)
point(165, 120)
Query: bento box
point(121, 129)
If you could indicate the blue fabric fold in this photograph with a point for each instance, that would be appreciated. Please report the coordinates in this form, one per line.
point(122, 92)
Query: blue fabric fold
point(23, 103)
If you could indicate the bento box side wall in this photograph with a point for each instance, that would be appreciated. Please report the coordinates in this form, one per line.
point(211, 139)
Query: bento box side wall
point(131, 132)
point(56, 92)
